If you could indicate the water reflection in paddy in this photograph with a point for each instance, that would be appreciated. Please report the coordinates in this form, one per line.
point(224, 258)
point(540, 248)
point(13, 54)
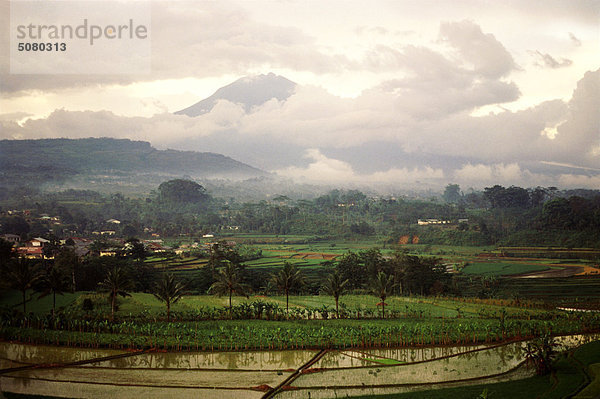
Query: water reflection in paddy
point(372, 357)
point(234, 374)
point(36, 354)
point(275, 360)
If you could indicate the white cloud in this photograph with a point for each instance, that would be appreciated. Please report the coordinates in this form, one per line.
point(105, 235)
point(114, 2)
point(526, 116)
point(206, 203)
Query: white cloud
point(578, 181)
point(545, 60)
point(510, 174)
point(324, 170)
point(320, 169)
point(482, 52)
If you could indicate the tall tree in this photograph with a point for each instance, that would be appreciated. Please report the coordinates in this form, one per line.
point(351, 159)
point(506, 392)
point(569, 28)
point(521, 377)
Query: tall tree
point(181, 192)
point(287, 279)
point(351, 268)
point(382, 287)
point(116, 283)
point(54, 281)
point(228, 282)
point(169, 291)
point(335, 286)
point(23, 274)
point(68, 262)
point(6, 252)
point(134, 249)
point(452, 194)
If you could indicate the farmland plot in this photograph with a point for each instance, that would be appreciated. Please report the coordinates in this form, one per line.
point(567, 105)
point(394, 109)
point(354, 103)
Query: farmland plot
point(71, 372)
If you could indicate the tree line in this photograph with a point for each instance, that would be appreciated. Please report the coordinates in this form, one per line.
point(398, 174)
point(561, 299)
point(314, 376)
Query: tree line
point(364, 271)
point(183, 207)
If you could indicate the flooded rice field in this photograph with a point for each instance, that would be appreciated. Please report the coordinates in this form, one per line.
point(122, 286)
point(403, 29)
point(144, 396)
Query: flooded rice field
point(85, 373)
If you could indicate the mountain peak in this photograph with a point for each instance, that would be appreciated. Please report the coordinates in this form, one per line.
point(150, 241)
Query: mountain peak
point(249, 91)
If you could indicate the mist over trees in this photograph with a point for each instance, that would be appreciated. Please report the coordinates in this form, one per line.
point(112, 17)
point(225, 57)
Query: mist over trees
point(496, 215)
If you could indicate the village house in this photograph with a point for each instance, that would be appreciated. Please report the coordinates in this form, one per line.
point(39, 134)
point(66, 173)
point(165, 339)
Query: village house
point(34, 249)
point(15, 239)
point(427, 222)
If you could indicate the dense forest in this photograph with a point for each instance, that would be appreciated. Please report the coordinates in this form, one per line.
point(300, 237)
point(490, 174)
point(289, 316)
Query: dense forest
point(495, 216)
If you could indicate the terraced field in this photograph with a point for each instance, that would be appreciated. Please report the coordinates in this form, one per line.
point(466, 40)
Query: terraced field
point(83, 373)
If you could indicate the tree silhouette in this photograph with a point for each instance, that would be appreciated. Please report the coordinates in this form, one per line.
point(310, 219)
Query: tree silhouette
point(23, 273)
point(287, 279)
point(228, 282)
point(54, 281)
point(335, 287)
point(169, 291)
point(6, 252)
point(382, 287)
point(117, 282)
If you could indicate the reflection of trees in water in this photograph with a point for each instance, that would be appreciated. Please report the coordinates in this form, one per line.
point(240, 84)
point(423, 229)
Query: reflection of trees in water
point(20, 380)
point(333, 359)
point(227, 359)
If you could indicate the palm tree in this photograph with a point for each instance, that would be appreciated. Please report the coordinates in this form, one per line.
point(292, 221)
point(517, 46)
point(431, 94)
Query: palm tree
point(335, 287)
point(54, 281)
point(23, 273)
point(169, 291)
point(117, 282)
point(382, 287)
point(541, 352)
point(287, 279)
point(228, 282)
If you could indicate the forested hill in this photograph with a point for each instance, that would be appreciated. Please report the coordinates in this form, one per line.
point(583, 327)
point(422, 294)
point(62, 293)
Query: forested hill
point(69, 157)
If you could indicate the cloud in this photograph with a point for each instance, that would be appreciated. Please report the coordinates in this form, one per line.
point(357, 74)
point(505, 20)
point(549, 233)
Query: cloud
point(574, 39)
point(545, 60)
point(482, 52)
point(578, 181)
point(324, 170)
point(275, 134)
point(482, 175)
point(320, 169)
point(14, 116)
point(508, 174)
point(193, 41)
point(578, 138)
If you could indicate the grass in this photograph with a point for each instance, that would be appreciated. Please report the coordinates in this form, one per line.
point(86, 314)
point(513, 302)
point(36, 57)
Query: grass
point(412, 307)
point(501, 268)
point(36, 305)
point(593, 389)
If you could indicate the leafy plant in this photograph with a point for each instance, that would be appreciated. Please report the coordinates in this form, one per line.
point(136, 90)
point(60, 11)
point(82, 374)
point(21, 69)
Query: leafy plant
point(382, 287)
point(116, 283)
point(228, 282)
point(540, 354)
point(169, 291)
point(287, 279)
point(335, 287)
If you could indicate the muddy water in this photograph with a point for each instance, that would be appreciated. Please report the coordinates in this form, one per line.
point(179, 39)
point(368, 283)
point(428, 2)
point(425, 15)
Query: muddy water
point(34, 354)
point(237, 374)
point(343, 392)
point(374, 357)
point(275, 360)
point(467, 365)
point(185, 374)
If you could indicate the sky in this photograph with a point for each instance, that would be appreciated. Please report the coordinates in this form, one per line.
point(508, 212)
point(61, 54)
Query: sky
point(390, 93)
